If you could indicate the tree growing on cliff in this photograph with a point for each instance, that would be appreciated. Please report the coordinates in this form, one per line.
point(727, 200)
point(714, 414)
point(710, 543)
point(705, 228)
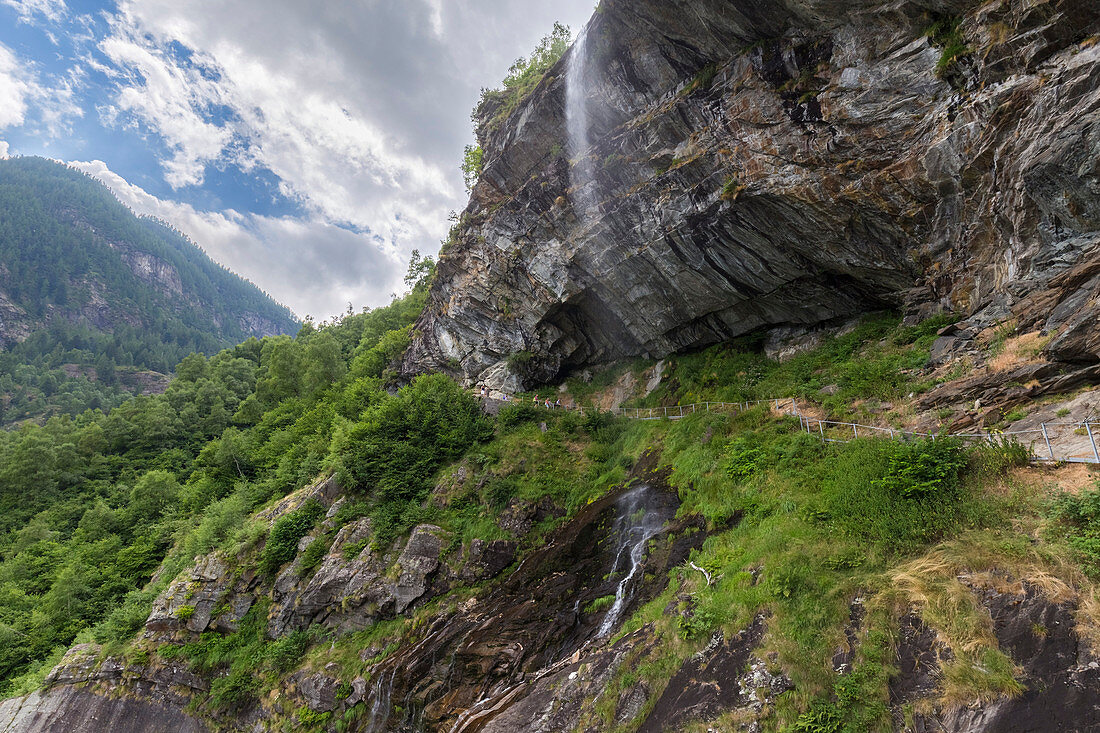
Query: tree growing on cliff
point(523, 76)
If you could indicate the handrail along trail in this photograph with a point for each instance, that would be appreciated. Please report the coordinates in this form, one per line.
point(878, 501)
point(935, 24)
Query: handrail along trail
point(1049, 435)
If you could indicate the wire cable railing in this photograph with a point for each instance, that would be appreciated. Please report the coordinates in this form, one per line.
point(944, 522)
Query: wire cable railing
point(1050, 442)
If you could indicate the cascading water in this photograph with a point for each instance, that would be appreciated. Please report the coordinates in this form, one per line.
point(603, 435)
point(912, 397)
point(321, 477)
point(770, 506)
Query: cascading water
point(635, 524)
point(576, 122)
point(380, 709)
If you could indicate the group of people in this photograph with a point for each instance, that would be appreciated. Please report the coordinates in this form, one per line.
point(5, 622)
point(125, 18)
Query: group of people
point(534, 400)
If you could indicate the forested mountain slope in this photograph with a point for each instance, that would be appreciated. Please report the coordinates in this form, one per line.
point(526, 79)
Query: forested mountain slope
point(85, 283)
point(91, 506)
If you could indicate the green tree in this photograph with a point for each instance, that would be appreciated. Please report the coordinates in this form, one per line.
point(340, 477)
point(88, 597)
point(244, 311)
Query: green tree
point(472, 162)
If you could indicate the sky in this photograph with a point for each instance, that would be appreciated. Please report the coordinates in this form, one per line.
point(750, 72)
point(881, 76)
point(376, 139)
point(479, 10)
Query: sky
point(307, 146)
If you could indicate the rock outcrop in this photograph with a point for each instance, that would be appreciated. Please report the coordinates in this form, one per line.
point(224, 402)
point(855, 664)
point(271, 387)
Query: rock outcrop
point(87, 694)
point(751, 166)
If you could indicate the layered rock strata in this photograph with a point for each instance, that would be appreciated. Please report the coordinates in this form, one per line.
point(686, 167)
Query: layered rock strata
point(754, 166)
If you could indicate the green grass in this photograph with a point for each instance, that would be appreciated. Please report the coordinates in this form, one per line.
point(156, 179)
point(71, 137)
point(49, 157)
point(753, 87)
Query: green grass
point(946, 34)
point(878, 360)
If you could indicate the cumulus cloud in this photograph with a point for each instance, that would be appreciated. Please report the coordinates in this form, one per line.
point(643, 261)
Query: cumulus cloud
point(353, 115)
point(313, 267)
point(3, 149)
point(24, 99)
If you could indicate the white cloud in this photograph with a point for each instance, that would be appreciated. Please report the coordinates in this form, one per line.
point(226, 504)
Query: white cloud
point(311, 266)
point(15, 89)
point(170, 99)
point(24, 99)
point(360, 111)
point(28, 10)
point(3, 149)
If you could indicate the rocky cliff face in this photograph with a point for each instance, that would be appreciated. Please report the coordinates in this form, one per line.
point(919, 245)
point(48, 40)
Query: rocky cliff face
point(726, 167)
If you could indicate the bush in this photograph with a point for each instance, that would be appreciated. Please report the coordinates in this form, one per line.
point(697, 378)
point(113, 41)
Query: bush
point(894, 495)
point(401, 442)
point(1080, 517)
point(314, 553)
point(743, 459)
point(289, 529)
point(517, 413)
point(998, 455)
point(925, 468)
point(524, 75)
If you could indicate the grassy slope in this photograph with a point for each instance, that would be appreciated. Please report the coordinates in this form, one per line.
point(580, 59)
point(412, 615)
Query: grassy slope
point(798, 530)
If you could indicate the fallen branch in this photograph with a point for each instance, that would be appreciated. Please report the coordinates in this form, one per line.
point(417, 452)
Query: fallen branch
point(710, 580)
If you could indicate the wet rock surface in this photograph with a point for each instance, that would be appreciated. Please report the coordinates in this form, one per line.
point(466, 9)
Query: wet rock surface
point(1061, 677)
point(783, 165)
point(723, 677)
point(474, 664)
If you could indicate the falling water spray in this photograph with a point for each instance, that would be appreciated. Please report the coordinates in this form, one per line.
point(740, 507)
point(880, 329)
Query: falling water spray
point(634, 526)
point(576, 122)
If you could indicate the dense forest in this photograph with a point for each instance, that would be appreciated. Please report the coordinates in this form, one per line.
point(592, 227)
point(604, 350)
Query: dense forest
point(85, 282)
point(91, 505)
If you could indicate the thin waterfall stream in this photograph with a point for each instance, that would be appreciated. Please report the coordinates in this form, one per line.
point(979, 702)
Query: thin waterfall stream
point(576, 122)
point(635, 524)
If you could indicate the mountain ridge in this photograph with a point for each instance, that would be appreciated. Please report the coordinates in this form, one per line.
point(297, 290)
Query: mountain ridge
point(84, 281)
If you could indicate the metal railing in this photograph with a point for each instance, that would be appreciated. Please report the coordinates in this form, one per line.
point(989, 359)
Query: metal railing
point(1051, 442)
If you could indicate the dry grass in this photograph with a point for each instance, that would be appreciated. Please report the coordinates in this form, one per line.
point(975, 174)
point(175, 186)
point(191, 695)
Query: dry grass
point(1019, 350)
point(1088, 618)
point(941, 583)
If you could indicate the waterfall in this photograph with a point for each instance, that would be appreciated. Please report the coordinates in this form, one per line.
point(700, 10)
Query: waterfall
point(380, 710)
point(576, 122)
point(634, 526)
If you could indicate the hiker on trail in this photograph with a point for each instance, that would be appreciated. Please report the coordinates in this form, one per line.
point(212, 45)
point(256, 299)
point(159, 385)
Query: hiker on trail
point(548, 405)
point(558, 403)
point(484, 393)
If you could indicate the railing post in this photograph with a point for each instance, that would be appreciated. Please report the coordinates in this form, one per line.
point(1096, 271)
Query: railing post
point(1047, 439)
point(855, 432)
point(1092, 440)
point(821, 429)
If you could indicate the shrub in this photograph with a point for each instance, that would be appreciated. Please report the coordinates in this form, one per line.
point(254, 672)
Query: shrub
point(184, 613)
point(517, 413)
point(472, 161)
point(946, 33)
point(315, 553)
point(925, 468)
point(743, 459)
point(524, 75)
point(998, 455)
point(894, 495)
point(282, 544)
point(1080, 517)
point(401, 441)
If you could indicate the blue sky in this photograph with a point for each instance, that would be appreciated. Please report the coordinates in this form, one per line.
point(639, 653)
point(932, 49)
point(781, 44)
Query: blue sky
point(307, 146)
